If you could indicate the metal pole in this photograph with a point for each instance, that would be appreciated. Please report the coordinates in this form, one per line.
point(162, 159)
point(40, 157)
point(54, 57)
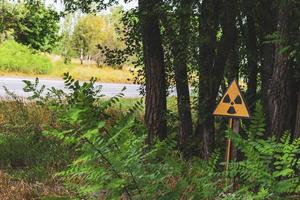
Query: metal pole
point(229, 146)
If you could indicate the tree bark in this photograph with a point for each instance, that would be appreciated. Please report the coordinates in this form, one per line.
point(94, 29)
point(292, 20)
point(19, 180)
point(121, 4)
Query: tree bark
point(233, 64)
point(297, 69)
point(281, 90)
point(81, 56)
point(156, 106)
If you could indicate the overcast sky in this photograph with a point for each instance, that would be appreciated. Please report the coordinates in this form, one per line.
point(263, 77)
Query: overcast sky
point(59, 6)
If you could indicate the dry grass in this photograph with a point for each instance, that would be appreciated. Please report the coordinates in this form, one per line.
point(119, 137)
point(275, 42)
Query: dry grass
point(20, 122)
point(19, 116)
point(104, 74)
point(17, 190)
point(11, 189)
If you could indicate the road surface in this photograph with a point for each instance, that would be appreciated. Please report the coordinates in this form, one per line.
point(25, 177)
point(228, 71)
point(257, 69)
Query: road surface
point(16, 85)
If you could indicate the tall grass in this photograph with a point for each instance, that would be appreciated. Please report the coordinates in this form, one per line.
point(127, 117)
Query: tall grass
point(28, 159)
point(24, 151)
point(15, 57)
point(12, 189)
point(105, 74)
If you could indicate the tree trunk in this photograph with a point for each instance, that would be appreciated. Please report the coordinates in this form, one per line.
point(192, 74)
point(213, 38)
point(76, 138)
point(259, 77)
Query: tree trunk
point(179, 39)
point(252, 55)
point(297, 124)
point(156, 106)
point(180, 51)
point(281, 90)
point(297, 69)
point(233, 64)
point(266, 18)
point(208, 24)
point(81, 56)
point(212, 61)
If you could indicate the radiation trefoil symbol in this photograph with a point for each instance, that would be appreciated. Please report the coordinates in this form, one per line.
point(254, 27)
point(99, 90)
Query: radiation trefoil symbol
point(237, 100)
point(232, 103)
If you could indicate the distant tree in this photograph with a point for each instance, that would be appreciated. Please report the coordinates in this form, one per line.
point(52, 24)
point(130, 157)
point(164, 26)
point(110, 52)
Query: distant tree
point(92, 31)
point(9, 16)
point(38, 26)
point(30, 23)
point(65, 44)
point(87, 34)
point(115, 27)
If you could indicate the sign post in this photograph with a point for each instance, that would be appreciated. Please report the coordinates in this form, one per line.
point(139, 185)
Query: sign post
point(228, 150)
point(233, 106)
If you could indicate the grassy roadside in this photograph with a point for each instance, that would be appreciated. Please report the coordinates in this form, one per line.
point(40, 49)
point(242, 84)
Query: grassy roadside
point(80, 72)
point(17, 60)
point(29, 161)
point(89, 69)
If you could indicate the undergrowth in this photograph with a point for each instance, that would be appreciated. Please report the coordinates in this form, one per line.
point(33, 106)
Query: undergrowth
point(111, 160)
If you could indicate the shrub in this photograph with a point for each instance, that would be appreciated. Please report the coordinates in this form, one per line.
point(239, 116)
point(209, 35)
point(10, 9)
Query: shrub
point(15, 57)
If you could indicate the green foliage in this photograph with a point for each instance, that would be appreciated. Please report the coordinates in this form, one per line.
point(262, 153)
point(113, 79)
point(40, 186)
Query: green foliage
point(113, 161)
point(8, 15)
point(31, 156)
point(84, 110)
point(270, 169)
point(15, 57)
point(38, 27)
point(64, 47)
point(93, 30)
point(24, 151)
point(30, 23)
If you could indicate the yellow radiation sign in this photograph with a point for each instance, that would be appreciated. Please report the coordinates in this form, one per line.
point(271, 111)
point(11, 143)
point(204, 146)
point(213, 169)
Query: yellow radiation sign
point(232, 103)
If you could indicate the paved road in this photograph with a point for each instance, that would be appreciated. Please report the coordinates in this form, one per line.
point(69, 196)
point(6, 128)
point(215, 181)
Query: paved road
point(108, 89)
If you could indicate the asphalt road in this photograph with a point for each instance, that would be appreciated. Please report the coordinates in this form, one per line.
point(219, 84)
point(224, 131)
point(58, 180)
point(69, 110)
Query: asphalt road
point(16, 85)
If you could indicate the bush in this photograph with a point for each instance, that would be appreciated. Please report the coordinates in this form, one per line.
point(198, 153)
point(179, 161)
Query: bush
point(15, 57)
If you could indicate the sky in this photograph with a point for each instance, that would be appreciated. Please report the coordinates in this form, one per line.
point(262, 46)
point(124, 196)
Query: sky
point(59, 6)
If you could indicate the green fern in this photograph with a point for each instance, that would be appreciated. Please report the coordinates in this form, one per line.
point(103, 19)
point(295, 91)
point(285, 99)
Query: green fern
point(270, 168)
point(257, 126)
